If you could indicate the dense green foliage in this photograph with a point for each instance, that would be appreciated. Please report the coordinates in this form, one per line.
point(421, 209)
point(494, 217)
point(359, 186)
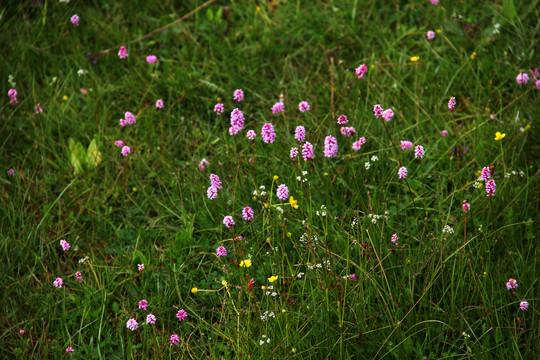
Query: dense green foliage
point(437, 294)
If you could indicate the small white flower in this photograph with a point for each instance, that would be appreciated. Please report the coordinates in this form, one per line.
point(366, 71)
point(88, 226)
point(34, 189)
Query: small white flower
point(367, 165)
point(374, 158)
point(82, 72)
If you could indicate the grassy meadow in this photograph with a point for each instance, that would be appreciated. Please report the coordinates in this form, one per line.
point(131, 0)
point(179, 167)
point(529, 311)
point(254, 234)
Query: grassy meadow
point(342, 256)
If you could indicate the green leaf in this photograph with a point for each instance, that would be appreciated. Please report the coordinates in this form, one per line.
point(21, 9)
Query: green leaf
point(139, 258)
point(77, 156)
point(509, 9)
point(93, 155)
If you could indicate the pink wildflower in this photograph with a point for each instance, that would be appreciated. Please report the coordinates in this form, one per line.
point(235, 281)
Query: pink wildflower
point(79, 277)
point(444, 133)
point(353, 277)
point(11, 172)
point(84, 91)
point(75, 20)
point(151, 59)
point(247, 213)
point(485, 173)
point(361, 71)
point(293, 153)
point(119, 143)
point(490, 188)
point(203, 163)
point(388, 114)
point(511, 285)
point(150, 319)
point(358, 144)
point(282, 192)
point(126, 150)
point(342, 120)
point(214, 180)
point(12, 93)
point(132, 324)
point(237, 121)
point(347, 131)
point(228, 221)
point(466, 206)
point(175, 340)
point(211, 193)
point(524, 305)
point(69, 350)
point(251, 134)
point(522, 78)
point(300, 133)
point(238, 95)
point(395, 239)
point(130, 118)
point(278, 107)
point(405, 145)
point(65, 245)
point(58, 282)
point(537, 84)
point(122, 53)
point(22, 331)
point(143, 304)
point(268, 134)
point(402, 172)
point(251, 160)
point(419, 151)
point(452, 103)
point(181, 315)
point(434, 2)
point(430, 35)
point(307, 151)
point(140, 267)
point(378, 110)
point(38, 108)
point(330, 146)
point(303, 106)
point(123, 122)
point(159, 104)
point(218, 108)
point(221, 251)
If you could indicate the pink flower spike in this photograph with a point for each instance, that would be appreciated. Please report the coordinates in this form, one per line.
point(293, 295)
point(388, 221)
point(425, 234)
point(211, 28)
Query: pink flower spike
point(70, 350)
point(132, 324)
point(430, 35)
point(247, 213)
point(524, 305)
point(218, 108)
point(211, 193)
point(228, 221)
point(282, 192)
point(181, 315)
point(122, 53)
point(491, 188)
point(330, 146)
point(130, 118)
point(214, 180)
point(485, 173)
point(65, 245)
point(11, 172)
point(38, 108)
point(140, 267)
point(75, 20)
point(361, 71)
point(175, 340)
point(342, 120)
point(221, 251)
point(395, 239)
point(307, 151)
point(59, 282)
point(405, 145)
point(358, 144)
point(126, 150)
point(150, 319)
point(79, 277)
point(537, 84)
point(347, 131)
point(388, 114)
point(12, 93)
point(402, 172)
point(268, 133)
point(143, 304)
point(293, 153)
point(278, 107)
point(159, 104)
point(377, 110)
point(466, 206)
point(123, 122)
point(238, 95)
point(444, 133)
point(452, 103)
point(119, 143)
point(300, 133)
point(522, 78)
point(203, 163)
point(511, 285)
point(303, 106)
point(151, 59)
point(419, 151)
point(251, 134)
point(237, 121)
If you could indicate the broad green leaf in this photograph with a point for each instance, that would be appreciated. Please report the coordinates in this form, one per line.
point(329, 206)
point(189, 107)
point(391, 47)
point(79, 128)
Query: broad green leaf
point(509, 9)
point(77, 156)
point(93, 157)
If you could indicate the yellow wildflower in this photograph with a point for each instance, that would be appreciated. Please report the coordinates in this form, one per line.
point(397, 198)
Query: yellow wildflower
point(224, 283)
point(266, 206)
point(372, 67)
point(65, 98)
point(268, 240)
point(289, 234)
point(134, 189)
point(276, 177)
point(415, 58)
point(245, 263)
point(218, 99)
point(438, 31)
point(194, 290)
point(263, 287)
point(473, 56)
point(294, 203)
point(257, 9)
point(272, 278)
point(499, 136)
